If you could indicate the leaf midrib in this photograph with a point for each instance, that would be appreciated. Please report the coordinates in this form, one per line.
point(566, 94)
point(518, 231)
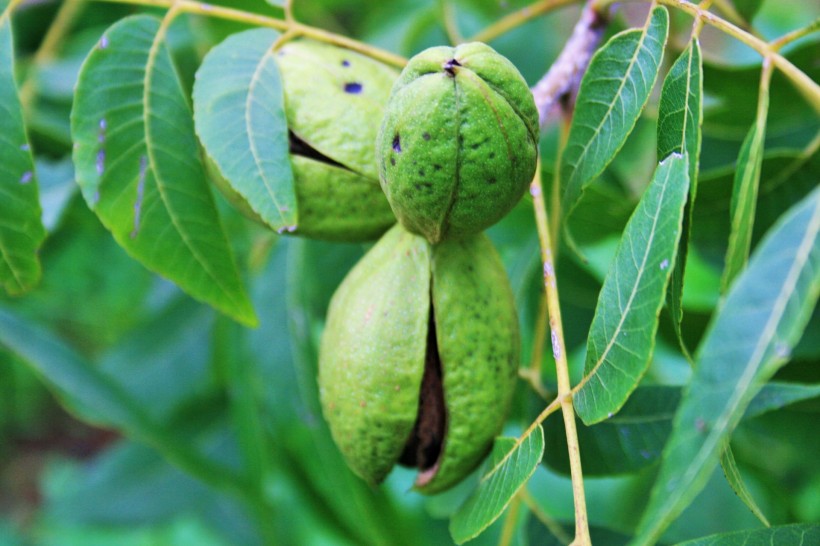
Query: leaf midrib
point(153, 52)
point(715, 433)
point(633, 292)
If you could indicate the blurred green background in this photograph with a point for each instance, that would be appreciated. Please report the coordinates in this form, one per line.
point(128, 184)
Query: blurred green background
point(69, 476)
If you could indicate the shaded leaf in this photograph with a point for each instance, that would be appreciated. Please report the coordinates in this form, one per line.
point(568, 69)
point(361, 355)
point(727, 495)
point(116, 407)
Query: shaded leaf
point(634, 438)
point(745, 189)
point(732, 473)
point(749, 339)
point(803, 534)
point(100, 400)
point(138, 165)
point(731, 105)
point(748, 8)
point(622, 335)
point(787, 176)
point(776, 395)
point(240, 119)
point(679, 120)
point(629, 441)
point(21, 229)
point(498, 486)
point(611, 97)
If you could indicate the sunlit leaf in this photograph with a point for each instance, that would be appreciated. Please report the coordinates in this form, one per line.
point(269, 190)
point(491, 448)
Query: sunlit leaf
point(752, 335)
point(744, 192)
point(611, 97)
point(21, 229)
point(679, 119)
point(622, 335)
point(803, 534)
point(240, 119)
point(139, 168)
point(497, 487)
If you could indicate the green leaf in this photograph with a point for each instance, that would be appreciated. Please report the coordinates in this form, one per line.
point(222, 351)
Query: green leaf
point(634, 438)
point(744, 192)
point(498, 486)
point(776, 395)
point(99, 399)
point(622, 335)
point(21, 229)
point(139, 168)
point(748, 8)
point(611, 97)
point(631, 440)
point(802, 534)
point(240, 119)
point(752, 335)
point(732, 473)
point(679, 121)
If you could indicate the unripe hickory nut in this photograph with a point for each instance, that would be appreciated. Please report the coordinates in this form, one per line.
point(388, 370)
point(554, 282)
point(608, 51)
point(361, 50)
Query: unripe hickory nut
point(332, 97)
point(418, 359)
point(458, 144)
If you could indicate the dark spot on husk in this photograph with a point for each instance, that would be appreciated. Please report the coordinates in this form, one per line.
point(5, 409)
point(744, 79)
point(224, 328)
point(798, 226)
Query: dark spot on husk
point(354, 88)
point(437, 167)
point(492, 180)
point(423, 447)
point(492, 155)
point(345, 63)
point(397, 143)
point(301, 148)
point(421, 172)
point(392, 160)
point(450, 67)
point(425, 136)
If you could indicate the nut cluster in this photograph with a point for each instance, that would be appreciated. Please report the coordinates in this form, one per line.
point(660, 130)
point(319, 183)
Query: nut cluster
point(419, 356)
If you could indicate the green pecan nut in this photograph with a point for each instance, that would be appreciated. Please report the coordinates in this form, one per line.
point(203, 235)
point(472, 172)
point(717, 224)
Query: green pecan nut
point(418, 359)
point(459, 141)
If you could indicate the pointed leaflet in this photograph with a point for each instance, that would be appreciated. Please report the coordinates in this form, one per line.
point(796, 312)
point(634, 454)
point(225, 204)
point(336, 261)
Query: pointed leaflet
point(622, 334)
point(801, 534)
point(679, 121)
point(21, 230)
point(508, 474)
point(138, 165)
point(744, 191)
point(735, 480)
point(240, 119)
point(751, 336)
point(611, 97)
